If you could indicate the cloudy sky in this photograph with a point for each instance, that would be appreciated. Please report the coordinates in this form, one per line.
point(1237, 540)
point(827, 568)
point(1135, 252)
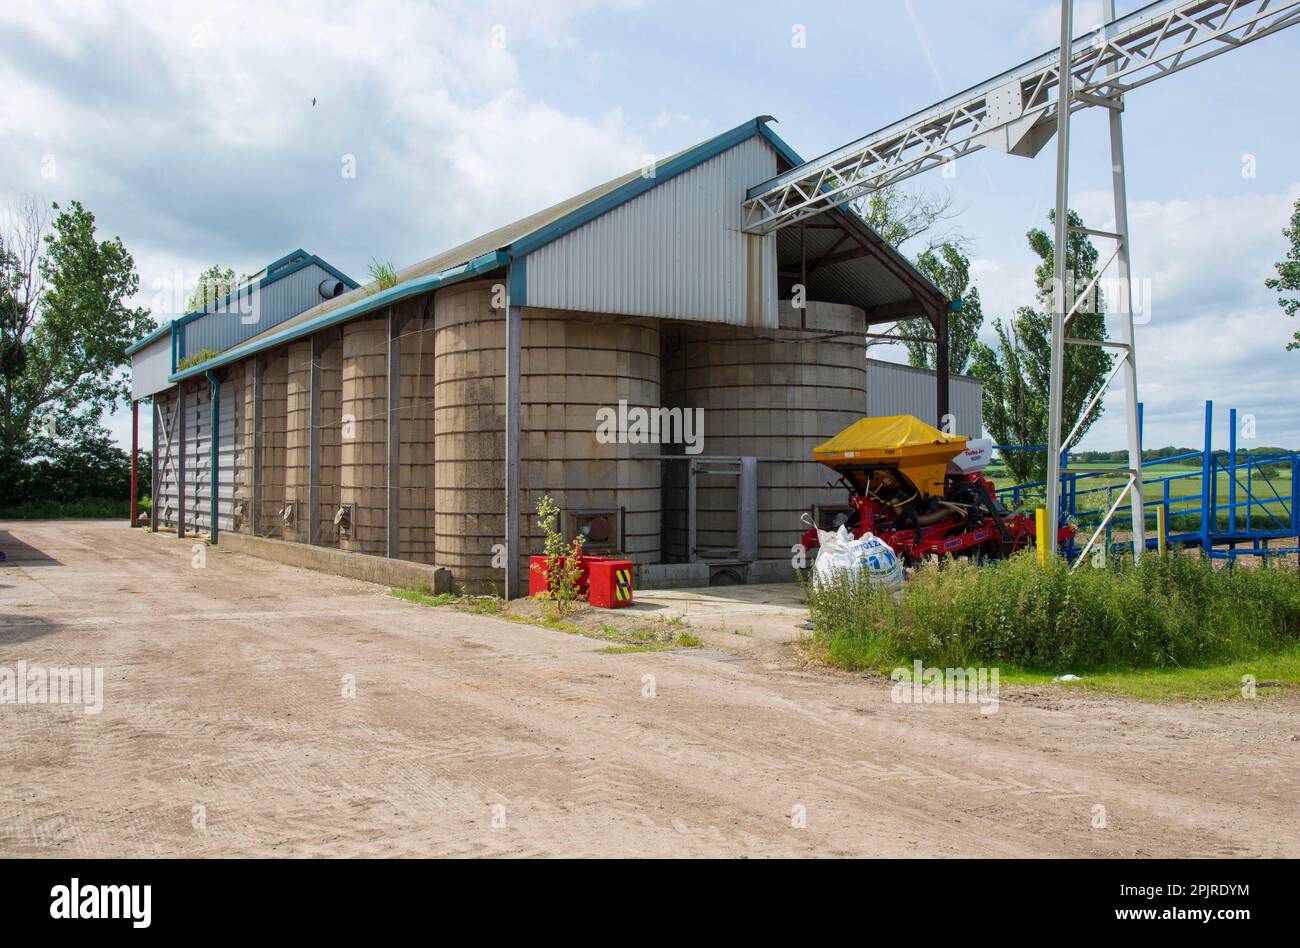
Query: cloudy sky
point(189, 130)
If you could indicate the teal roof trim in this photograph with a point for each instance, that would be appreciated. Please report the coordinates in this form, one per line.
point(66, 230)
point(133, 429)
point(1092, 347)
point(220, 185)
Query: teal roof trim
point(281, 268)
point(152, 337)
point(477, 267)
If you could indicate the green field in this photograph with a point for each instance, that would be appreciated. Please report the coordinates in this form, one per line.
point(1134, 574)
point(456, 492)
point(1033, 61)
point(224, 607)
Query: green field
point(1184, 492)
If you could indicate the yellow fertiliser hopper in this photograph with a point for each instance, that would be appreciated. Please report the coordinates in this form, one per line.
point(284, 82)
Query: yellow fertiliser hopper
point(919, 452)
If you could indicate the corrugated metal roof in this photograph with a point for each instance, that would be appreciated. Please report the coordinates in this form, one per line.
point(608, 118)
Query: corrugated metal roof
point(534, 225)
point(515, 240)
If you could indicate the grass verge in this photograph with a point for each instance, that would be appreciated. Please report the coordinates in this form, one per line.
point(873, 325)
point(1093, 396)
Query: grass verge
point(1171, 627)
point(1274, 676)
point(655, 635)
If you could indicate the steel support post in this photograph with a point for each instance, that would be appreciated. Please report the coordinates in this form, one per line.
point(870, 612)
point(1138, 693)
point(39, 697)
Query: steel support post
point(255, 489)
point(1207, 480)
point(1060, 297)
point(214, 456)
point(747, 512)
point(155, 478)
point(1132, 408)
point(135, 456)
point(941, 383)
point(1232, 470)
point(514, 328)
point(180, 461)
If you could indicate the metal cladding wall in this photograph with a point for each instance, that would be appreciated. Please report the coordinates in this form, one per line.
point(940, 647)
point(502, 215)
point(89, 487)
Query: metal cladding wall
point(229, 461)
point(233, 456)
point(150, 367)
point(676, 251)
point(198, 457)
point(167, 501)
point(267, 307)
point(894, 389)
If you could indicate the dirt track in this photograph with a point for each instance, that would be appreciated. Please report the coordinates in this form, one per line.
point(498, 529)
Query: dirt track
point(224, 690)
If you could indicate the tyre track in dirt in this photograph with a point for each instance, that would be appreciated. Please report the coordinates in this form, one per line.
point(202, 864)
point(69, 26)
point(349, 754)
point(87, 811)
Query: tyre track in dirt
point(473, 736)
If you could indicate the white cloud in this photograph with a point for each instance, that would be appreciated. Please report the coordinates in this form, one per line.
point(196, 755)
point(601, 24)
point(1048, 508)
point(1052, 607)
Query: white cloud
point(1215, 331)
point(189, 130)
point(1043, 29)
point(192, 133)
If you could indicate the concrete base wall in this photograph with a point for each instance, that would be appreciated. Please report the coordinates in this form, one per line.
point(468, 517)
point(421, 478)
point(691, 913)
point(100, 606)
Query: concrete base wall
point(690, 575)
point(371, 569)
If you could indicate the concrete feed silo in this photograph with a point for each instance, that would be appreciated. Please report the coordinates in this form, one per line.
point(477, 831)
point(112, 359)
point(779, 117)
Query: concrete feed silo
point(576, 365)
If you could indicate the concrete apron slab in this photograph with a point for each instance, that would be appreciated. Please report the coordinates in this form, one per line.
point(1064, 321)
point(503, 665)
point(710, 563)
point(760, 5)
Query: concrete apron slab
point(772, 612)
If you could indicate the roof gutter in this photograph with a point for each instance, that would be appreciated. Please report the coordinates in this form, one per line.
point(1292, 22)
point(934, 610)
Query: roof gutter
point(394, 294)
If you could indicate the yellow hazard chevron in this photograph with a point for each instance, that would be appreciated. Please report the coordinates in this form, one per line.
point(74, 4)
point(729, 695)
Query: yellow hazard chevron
point(623, 585)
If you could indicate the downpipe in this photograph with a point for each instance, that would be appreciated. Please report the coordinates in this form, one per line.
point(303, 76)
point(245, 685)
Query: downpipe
point(214, 478)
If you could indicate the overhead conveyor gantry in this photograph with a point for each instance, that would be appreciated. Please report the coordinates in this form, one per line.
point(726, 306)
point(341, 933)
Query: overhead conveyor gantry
point(1018, 112)
point(1015, 112)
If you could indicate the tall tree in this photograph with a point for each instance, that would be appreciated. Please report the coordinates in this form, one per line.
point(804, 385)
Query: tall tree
point(949, 269)
point(1015, 372)
point(901, 215)
point(64, 328)
point(214, 284)
point(1288, 275)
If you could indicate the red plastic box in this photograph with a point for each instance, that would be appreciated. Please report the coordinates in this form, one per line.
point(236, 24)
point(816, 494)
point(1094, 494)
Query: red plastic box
point(610, 583)
point(607, 583)
point(537, 574)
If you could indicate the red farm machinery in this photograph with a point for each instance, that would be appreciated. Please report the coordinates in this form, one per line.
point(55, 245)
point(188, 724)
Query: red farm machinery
point(922, 492)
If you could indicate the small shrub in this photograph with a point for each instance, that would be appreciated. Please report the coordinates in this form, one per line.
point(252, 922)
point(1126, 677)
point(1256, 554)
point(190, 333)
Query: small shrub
point(563, 569)
point(383, 274)
point(203, 355)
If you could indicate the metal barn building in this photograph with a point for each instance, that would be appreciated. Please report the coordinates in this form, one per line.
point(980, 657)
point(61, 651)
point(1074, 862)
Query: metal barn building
point(894, 389)
point(425, 419)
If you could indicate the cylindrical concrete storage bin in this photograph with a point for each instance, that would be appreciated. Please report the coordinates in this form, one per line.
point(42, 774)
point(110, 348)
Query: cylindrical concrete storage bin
point(572, 366)
point(364, 438)
point(297, 442)
point(417, 456)
point(590, 393)
point(273, 387)
point(774, 394)
point(329, 352)
point(469, 433)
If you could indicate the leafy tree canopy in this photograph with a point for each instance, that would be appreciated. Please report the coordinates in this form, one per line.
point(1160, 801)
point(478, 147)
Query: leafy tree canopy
point(1287, 281)
point(948, 268)
point(64, 328)
point(1015, 370)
